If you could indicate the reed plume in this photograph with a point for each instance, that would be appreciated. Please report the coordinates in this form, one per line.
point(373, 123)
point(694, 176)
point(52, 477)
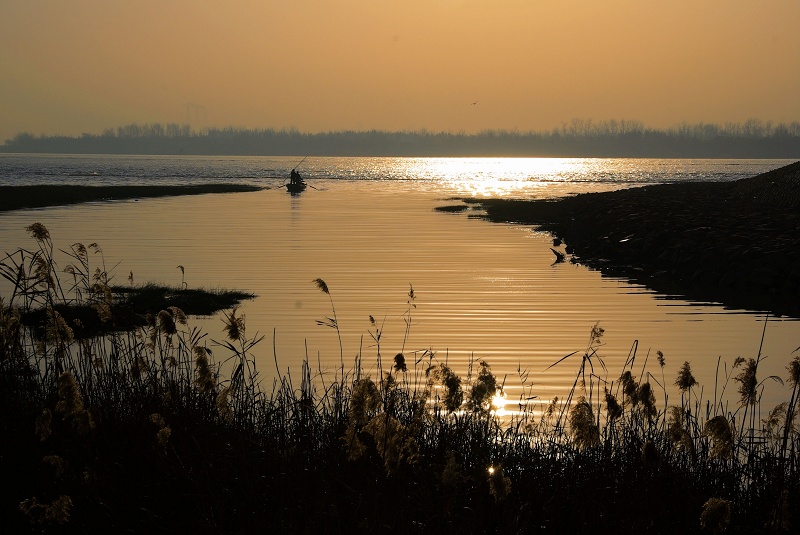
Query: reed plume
point(677, 431)
point(685, 379)
point(747, 383)
point(204, 377)
point(794, 371)
point(162, 436)
point(774, 420)
point(400, 363)
point(630, 388)
point(234, 326)
point(223, 405)
point(791, 410)
point(70, 404)
point(39, 232)
point(164, 431)
point(58, 332)
point(443, 376)
point(10, 332)
point(583, 429)
point(364, 401)
point(716, 515)
point(184, 285)
point(613, 408)
point(393, 442)
point(166, 322)
point(647, 400)
point(721, 433)
point(483, 389)
point(331, 321)
point(322, 286)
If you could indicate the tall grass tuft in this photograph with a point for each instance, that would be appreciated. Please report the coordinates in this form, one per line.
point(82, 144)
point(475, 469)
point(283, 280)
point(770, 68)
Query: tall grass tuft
point(330, 321)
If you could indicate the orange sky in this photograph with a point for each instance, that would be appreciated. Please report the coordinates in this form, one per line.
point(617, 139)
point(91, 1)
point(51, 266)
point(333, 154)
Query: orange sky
point(68, 67)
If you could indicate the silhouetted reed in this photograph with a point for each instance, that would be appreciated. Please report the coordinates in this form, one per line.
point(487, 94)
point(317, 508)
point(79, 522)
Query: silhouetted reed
point(159, 428)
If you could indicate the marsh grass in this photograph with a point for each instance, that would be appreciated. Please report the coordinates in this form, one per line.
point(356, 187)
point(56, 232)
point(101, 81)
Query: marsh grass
point(159, 429)
point(89, 302)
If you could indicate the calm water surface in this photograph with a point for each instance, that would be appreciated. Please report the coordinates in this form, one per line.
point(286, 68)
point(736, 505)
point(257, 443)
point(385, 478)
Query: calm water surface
point(368, 228)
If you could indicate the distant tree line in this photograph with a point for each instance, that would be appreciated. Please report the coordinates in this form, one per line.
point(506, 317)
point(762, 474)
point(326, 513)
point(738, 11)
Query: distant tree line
point(578, 138)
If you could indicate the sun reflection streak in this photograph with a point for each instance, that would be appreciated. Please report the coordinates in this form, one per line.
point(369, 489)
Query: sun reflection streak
point(496, 177)
point(523, 178)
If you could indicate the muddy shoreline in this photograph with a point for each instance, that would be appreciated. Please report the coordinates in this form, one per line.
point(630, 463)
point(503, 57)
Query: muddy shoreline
point(735, 243)
point(25, 197)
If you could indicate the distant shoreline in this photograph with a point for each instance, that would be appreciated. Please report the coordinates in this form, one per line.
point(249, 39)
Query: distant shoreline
point(577, 139)
point(27, 197)
point(735, 243)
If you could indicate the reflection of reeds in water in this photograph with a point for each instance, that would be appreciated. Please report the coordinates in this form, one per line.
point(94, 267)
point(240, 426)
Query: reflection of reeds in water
point(152, 429)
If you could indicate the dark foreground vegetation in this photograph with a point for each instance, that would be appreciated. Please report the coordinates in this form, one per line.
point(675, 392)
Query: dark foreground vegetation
point(577, 138)
point(158, 429)
point(736, 243)
point(19, 197)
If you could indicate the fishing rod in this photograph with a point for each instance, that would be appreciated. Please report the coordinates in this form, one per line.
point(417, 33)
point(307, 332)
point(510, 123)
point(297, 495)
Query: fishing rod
point(294, 169)
point(301, 162)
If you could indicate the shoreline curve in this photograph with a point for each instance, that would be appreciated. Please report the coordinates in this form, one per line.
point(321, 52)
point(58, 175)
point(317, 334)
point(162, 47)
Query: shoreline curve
point(735, 243)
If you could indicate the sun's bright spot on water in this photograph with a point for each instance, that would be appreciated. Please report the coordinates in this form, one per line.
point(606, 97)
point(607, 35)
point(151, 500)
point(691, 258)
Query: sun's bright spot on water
point(499, 403)
point(525, 178)
point(492, 177)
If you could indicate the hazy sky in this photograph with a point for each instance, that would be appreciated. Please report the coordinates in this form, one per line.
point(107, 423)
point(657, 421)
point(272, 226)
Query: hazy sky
point(73, 66)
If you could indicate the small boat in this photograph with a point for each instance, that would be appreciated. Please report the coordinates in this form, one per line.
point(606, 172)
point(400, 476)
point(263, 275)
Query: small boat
point(296, 187)
point(296, 183)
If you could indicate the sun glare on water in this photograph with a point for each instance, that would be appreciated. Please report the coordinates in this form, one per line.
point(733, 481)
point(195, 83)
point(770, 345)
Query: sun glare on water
point(499, 403)
point(492, 177)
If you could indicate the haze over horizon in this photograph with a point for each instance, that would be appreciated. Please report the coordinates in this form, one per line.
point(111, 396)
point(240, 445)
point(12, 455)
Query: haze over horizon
point(438, 65)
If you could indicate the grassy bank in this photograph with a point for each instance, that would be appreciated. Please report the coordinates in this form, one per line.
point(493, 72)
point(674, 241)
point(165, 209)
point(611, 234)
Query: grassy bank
point(161, 429)
point(736, 243)
point(19, 197)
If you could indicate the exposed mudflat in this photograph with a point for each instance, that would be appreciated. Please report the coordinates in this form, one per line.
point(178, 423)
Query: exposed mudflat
point(19, 197)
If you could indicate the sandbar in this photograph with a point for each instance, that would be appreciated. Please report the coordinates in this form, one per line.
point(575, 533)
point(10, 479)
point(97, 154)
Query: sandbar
point(26, 197)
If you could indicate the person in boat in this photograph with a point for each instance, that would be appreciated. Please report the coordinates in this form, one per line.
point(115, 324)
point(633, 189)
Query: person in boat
point(295, 177)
